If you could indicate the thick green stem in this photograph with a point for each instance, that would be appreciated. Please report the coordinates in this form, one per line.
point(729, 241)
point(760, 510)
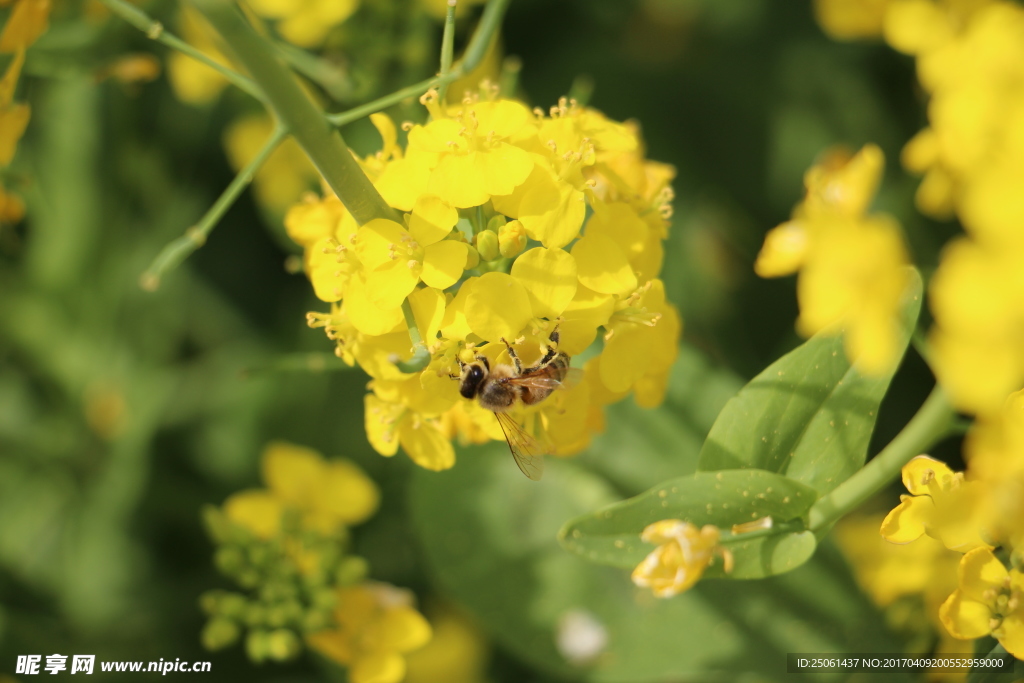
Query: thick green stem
point(155, 30)
point(925, 429)
point(303, 119)
point(178, 250)
point(474, 54)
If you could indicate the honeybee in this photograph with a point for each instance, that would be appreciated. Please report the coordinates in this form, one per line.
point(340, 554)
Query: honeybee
point(502, 387)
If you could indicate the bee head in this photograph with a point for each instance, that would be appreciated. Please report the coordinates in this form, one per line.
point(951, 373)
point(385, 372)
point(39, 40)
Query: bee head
point(472, 376)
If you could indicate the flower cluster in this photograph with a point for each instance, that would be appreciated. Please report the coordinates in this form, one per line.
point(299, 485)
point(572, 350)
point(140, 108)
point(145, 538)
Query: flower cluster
point(852, 263)
point(510, 223)
point(682, 555)
point(285, 546)
point(974, 513)
point(28, 20)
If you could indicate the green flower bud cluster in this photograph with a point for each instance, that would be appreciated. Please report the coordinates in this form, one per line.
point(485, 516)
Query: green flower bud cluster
point(288, 583)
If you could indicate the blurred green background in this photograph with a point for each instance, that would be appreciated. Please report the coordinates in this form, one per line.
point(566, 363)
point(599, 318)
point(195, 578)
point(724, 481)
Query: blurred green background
point(122, 412)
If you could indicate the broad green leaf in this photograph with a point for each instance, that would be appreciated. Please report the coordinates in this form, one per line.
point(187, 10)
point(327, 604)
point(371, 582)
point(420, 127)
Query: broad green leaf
point(809, 415)
point(642, 447)
point(488, 535)
point(611, 535)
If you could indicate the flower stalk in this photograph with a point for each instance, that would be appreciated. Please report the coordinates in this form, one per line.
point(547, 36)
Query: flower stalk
point(929, 426)
point(180, 249)
point(156, 31)
point(297, 112)
point(447, 47)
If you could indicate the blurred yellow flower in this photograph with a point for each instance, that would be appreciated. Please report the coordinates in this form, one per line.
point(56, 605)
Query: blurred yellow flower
point(682, 555)
point(851, 19)
point(375, 626)
point(13, 116)
point(942, 504)
point(852, 265)
point(27, 21)
point(193, 81)
point(328, 495)
point(284, 177)
point(457, 652)
point(305, 23)
point(989, 601)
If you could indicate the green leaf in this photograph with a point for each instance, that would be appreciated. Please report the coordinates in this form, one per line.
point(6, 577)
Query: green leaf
point(643, 447)
point(809, 415)
point(611, 535)
point(488, 537)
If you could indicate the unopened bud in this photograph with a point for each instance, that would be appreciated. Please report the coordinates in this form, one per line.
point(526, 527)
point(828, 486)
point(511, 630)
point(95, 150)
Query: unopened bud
point(256, 646)
point(219, 633)
point(351, 569)
point(512, 239)
point(282, 645)
point(487, 245)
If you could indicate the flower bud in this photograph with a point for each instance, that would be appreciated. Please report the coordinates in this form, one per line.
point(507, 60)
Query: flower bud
point(487, 245)
point(352, 569)
point(511, 239)
point(230, 560)
point(219, 633)
point(472, 258)
point(256, 646)
point(282, 645)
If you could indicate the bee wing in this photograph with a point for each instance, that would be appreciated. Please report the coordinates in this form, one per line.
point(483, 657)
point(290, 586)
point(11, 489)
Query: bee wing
point(527, 453)
point(571, 379)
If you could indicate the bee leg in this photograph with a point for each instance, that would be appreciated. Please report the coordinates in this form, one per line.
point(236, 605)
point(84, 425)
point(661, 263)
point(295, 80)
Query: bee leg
point(483, 359)
point(513, 356)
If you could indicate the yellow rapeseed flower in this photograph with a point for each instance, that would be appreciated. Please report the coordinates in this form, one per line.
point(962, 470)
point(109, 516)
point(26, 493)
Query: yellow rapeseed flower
point(852, 265)
point(457, 652)
point(942, 504)
point(326, 494)
point(191, 80)
point(682, 555)
point(305, 23)
point(493, 243)
point(375, 627)
point(989, 601)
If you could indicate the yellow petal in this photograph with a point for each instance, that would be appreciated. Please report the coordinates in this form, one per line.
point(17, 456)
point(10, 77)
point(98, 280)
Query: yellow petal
point(403, 181)
point(980, 572)
point(587, 311)
point(914, 26)
point(454, 324)
point(906, 522)
point(503, 168)
point(377, 240)
point(550, 279)
point(1012, 634)
point(443, 263)
point(432, 219)
point(10, 79)
point(502, 118)
point(13, 122)
point(399, 629)
point(290, 470)
point(345, 493)
point(377, 667)
point(784, 250)
point(310, 221)
point(365, 315)
point(458, 180)
point(602, 266)
point(256, 510)
point(965, 618)
point(26, 22)
point(619, 222)
point(552, 212)
point(388, 133)
point(498, 306)
point(389, 284)
point(426, 445)
point(379, 419)
point(328, 272)
point(428, 309)
point(922, 469)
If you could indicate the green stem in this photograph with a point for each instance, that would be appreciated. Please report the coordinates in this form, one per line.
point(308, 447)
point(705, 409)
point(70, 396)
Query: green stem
point(331, 78)
point(471, 58)
point(509, 79)
point(926, 428)
point(985, 675)
point(421, 356)
point(178, 250)
point(303, 119)
point(447, 48)
point(156, 31)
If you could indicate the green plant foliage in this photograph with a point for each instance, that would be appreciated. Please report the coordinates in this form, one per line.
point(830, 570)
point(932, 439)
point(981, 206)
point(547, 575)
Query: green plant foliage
point(611, 535)
point(489, 537)
point(809, 415)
